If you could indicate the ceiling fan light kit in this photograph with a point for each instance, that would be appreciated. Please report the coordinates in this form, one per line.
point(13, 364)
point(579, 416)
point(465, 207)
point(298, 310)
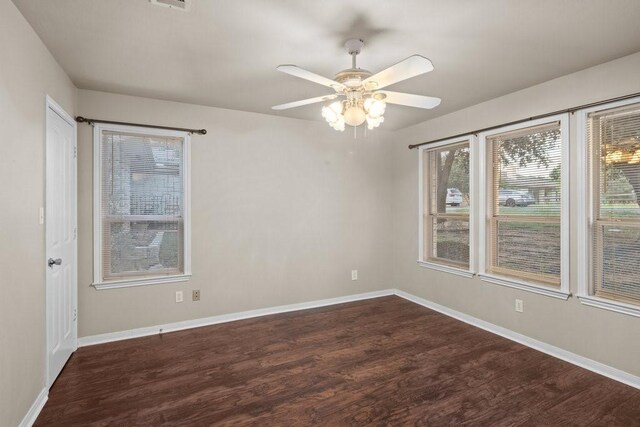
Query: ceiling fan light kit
point(359, 90)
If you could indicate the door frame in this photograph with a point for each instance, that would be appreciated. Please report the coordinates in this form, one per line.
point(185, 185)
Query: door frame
point(50, 104)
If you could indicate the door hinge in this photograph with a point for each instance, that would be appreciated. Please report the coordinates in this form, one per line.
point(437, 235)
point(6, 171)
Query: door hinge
point(75, 233)
point(75, 151)
point(75, 314)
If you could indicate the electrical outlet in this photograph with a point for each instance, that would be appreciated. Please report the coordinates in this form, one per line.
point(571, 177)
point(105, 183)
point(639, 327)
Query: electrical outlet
point(354, 274)
point(179, 296)
point(519, 306)
point(196, 295)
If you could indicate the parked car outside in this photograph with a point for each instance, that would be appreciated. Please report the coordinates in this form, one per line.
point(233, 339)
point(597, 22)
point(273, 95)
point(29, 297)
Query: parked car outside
point(512, 198)
point(454, 197)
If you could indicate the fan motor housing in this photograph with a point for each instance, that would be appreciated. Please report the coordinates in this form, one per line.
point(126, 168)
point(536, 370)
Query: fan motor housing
point(352, 77)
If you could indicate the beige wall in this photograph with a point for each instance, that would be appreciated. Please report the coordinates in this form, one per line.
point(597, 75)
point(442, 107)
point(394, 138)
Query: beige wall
point(282, 211)
point(604, 336)
point(27, 73)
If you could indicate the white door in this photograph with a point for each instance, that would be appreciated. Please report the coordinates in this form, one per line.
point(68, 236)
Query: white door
point(60, 260)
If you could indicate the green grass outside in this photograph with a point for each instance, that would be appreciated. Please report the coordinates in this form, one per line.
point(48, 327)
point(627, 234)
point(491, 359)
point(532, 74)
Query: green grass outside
point(620, 210)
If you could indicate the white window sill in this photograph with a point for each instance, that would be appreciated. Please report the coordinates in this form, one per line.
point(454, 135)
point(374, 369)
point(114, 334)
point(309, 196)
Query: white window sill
point(113, 284)
point(606, 304)
point(526, 286)
point(446, 268)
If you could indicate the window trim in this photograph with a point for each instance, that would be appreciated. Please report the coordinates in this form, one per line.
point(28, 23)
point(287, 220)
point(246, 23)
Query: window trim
point(471, 140)
point(98, 281)
point(563, 292)
point(585, 190)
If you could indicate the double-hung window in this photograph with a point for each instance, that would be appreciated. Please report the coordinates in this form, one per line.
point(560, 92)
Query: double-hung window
point(141, 206)
point(445, 207)
point(611, 232)
point(525, 227)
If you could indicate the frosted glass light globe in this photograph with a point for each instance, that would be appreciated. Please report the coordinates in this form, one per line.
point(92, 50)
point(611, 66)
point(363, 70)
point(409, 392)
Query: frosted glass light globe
point(377, 108)
point(336, 106)
point(354, 116)
point(329, 114)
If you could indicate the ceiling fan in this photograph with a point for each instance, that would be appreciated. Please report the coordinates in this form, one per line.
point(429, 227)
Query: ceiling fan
point(358, 97)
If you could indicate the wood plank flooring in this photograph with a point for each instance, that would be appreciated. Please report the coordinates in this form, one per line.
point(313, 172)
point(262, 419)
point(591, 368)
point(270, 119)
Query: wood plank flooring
point(383, 361)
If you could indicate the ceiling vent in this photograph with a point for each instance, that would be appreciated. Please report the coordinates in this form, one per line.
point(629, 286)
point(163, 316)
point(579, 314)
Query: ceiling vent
point(183, 5)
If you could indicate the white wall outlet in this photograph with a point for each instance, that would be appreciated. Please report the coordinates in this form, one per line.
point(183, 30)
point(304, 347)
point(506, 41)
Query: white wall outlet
point(519, 306)
point(354, 274)
point(179, 296)
point(195, 295)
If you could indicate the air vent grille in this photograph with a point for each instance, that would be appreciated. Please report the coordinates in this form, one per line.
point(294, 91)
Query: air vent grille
point(183, 5)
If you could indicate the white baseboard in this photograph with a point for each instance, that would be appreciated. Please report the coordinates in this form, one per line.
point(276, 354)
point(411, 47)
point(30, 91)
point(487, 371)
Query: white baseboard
point(567, 356)
point(195, 323)
point(592, 365)
point(35, 409)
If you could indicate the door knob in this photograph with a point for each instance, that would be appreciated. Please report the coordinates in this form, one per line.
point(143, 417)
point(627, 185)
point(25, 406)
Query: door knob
point(53, 262)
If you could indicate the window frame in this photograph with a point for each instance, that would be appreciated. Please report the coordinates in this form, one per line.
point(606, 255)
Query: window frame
point(98, 281)
point(485, 211)
point(585, 187)
point(471, 140)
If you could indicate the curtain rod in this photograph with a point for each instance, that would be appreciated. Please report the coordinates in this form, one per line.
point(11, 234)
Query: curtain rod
point(540, 116)
point(81, 119)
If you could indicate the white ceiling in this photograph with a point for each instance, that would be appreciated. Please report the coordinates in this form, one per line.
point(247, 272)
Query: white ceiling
point(224, 53)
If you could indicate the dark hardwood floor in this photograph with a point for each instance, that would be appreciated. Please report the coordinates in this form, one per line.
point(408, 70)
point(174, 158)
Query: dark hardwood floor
point(381, 361)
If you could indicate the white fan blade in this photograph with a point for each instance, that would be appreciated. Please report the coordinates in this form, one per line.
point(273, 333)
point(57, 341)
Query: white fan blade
point(403, 70)
point(294, 70)
point(411, 100)
point(303, 102)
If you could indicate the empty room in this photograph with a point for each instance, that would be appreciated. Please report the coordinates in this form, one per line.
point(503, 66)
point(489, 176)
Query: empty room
point(337, 213)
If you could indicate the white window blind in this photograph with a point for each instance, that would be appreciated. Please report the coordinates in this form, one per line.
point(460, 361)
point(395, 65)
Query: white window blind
point(614, 140)
point(524, 204)
point(446, 195)
point(142, 205)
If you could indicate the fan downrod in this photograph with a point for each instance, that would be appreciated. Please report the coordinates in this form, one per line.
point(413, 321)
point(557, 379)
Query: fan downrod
point(354, 46)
